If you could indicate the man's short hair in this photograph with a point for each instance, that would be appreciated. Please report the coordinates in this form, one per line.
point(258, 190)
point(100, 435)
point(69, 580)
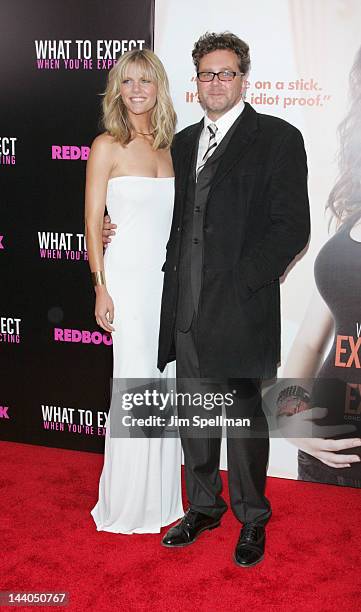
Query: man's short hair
point(210, 41)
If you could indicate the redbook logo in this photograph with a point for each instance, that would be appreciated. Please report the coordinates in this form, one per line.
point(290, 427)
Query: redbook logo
point(81, 336)
point(69, 152)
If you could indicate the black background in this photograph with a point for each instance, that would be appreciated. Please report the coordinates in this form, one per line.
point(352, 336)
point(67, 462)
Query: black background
point(43, 108)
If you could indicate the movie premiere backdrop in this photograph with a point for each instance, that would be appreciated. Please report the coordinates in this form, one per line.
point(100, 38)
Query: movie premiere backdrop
point(55, 361)
point(55, 57)
point(302, 52)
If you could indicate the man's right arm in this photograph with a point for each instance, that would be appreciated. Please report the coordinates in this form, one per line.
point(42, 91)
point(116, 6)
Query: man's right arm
point(108, 230)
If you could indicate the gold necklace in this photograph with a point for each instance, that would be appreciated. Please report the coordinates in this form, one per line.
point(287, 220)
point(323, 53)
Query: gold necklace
point(144, 133)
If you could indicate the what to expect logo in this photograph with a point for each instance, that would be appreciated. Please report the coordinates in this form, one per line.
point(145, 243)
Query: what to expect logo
point(10, 330)
point(4, 412)
point(74, 420)
point(62, 245)
point(8, 150)
point(82, 54)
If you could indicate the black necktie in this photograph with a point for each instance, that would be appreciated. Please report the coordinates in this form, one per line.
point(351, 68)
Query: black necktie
point(212, 143)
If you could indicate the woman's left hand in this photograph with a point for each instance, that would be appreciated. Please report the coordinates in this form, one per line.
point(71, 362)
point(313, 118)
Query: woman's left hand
point(104, 309)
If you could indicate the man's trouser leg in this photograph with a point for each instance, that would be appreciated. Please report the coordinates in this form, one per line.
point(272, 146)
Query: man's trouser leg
point(201, 447)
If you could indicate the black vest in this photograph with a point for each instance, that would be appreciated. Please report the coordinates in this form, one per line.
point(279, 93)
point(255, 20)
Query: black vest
point(193, 229)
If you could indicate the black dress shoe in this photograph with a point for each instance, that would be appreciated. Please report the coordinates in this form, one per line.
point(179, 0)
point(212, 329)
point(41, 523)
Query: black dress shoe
point(250, 545)
point(189, 528)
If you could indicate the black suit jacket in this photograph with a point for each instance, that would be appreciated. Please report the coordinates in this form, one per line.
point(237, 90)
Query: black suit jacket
point(257, 220)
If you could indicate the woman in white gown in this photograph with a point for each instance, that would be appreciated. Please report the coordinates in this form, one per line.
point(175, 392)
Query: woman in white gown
point(130, 172)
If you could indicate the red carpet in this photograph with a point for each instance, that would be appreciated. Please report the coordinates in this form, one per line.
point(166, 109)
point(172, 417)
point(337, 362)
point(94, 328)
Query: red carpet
point(49, 543)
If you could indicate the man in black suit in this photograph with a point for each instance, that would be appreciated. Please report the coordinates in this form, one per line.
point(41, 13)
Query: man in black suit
point(241, 215)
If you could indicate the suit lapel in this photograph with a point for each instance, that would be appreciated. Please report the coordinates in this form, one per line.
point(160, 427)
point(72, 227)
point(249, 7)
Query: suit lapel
point(244, 134)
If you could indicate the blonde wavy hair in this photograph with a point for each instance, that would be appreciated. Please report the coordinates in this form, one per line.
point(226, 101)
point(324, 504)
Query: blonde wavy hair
point(115, 115)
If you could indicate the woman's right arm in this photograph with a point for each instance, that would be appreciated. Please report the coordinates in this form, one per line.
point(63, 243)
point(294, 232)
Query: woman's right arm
point(98, 169)
point(304, 361)
point(305, 356)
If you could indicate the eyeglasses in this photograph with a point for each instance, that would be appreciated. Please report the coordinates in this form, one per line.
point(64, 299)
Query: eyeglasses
point(225, 75)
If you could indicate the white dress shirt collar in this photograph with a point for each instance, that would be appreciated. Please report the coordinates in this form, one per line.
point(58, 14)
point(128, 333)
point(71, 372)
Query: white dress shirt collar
point(224, 123)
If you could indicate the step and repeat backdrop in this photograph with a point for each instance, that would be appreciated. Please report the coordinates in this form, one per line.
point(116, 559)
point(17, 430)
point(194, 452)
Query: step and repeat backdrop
point(306, 68)
point(55, 361)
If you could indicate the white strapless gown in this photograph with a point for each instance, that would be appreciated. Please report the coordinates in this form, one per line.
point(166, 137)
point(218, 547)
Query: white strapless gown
point(140, 485)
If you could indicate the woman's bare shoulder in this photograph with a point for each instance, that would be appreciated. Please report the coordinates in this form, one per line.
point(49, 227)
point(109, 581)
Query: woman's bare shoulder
point(104, 141)
point(105, 149)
